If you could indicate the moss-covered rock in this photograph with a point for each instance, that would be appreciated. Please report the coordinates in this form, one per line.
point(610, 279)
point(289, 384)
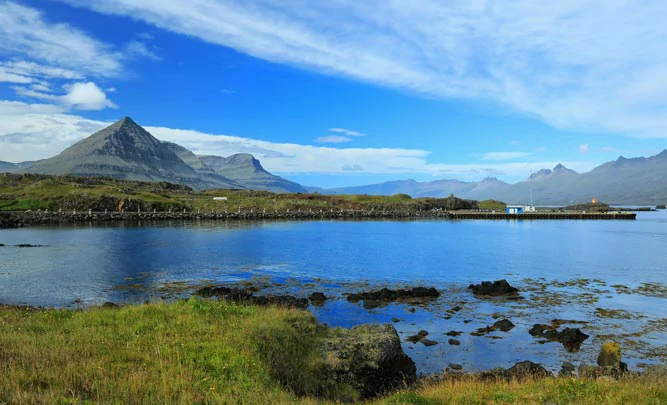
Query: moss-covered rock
point(610, 355)
point(369, 358)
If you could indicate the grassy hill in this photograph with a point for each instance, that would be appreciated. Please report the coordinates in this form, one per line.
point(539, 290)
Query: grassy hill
point(20, 192)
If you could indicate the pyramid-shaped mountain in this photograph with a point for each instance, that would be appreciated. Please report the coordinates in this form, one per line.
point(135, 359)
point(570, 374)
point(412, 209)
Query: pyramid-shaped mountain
point(244, 169)
point(126, 150)
point(123, 150)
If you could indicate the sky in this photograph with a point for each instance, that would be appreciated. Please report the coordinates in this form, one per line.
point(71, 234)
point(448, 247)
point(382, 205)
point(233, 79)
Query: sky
point(342, 93)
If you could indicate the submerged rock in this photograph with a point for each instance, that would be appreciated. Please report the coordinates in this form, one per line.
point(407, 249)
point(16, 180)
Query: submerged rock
point(453, 342)
point(318, 298)
point(428, 342)
point(570, 338)
point(494, 289)
point(503, 325)
point(385, 295)
point(454, 333)
point(369, 358)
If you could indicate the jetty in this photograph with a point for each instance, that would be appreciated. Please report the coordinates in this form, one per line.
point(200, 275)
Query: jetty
point(544, 215)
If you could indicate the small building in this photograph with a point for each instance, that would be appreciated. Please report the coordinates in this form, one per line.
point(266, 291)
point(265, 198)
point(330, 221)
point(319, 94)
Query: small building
point(219, 198)
point(514, 209)
point(519, 209)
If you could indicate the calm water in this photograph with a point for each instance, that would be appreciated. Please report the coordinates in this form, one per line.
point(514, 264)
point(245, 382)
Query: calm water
point(130, 262)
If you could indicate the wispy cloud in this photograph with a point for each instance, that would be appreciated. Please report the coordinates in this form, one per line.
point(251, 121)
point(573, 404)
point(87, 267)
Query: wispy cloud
point(583, 148)
point(503, 155)
point(78, 96)
point(539, 58)
point(347, 132)
point(24, 31)
point(333, 139)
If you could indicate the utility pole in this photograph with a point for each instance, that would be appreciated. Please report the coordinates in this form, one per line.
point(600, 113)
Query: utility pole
point(531, 190)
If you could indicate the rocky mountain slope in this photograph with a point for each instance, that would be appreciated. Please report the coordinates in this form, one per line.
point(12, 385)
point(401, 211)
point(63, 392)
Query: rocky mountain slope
point(125, 150)
point(244, 169)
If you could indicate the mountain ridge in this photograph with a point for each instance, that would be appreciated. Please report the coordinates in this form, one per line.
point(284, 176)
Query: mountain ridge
point(126, 150)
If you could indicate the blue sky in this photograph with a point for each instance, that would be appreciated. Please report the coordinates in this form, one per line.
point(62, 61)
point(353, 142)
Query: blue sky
point(343, 93)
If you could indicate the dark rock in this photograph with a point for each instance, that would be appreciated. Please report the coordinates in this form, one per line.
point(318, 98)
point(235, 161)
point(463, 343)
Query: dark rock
point(504, 325)
point(318, 297)
point(2, 245)
point(453, 342)
point(428, 342)
point(386, 295)
point(455, 367)
point(395, 320)
point(454, 310)
point(353, 298)
point(660, 207)
point(422, 333)
point(369, 358)
point(453, 333)
point(568, 370)
point(27, 245)
point(467, 321)
point(412, 309)
point(572, 338)
point(246, 296)
point(492, 289)
point(110, 305)
point(495, 374)
point(527, 369)
point(414, 338)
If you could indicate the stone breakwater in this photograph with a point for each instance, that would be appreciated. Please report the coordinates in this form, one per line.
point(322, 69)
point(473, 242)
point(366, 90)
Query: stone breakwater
point(21, 219)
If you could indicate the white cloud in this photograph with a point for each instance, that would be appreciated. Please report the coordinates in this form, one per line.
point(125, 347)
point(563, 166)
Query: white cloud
point(37, 131)
point(7, 76)
point(503, 155)
point(583, 148)
point(574, 64)
point(86, 96)
point(347, 132)
point(140, 49)
point(79, 96)
point(333, 139)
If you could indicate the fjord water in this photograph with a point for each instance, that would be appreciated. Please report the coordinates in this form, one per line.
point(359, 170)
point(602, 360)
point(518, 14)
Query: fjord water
point(134, 262)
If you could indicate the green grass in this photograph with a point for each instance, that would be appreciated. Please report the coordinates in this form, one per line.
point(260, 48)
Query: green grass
point(211, 352)
point(33, 192)
point(492, 205)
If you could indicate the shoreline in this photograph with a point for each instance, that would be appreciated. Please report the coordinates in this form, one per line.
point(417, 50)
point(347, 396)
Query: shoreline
point(19, 219)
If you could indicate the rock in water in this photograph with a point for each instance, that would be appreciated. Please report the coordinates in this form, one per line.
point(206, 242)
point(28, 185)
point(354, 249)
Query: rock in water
point(369, 358)
point(493, 289)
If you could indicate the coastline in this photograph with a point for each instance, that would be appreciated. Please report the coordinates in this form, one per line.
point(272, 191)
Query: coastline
point(18, 219)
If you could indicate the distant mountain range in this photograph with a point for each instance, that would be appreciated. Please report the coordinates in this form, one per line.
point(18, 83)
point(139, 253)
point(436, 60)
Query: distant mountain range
point(623, 181)
point(126, 150)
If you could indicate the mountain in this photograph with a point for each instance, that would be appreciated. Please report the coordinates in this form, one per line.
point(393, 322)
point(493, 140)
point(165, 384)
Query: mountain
point(6, 167)
point(244, 169)
point(623, 181)
point(213, 179)
point(126, 150)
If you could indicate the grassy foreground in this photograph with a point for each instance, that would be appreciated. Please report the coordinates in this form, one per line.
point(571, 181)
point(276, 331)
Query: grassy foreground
point(203, 351)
